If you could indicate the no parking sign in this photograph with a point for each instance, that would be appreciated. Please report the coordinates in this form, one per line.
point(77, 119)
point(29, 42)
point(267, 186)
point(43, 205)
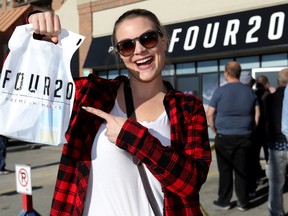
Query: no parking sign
point(23, 179)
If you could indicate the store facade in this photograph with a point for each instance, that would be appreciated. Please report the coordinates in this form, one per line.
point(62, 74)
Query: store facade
point(200, 48)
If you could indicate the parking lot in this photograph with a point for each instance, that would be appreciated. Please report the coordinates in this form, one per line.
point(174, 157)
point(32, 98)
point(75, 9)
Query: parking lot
point(44, 164)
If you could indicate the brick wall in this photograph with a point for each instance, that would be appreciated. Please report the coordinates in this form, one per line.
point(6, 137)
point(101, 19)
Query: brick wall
point(56, 4)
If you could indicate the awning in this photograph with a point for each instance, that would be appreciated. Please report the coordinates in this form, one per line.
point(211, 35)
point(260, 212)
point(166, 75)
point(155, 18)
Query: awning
point(9, 17)
point(100, 55)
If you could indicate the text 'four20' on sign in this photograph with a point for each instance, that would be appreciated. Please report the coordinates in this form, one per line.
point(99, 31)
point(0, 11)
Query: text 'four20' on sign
point(23, 179)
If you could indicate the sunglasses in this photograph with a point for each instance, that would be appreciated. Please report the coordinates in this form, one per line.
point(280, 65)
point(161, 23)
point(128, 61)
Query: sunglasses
point(148, 40)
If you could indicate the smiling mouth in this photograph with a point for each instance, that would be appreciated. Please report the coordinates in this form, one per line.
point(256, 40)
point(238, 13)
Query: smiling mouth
point(145, 61)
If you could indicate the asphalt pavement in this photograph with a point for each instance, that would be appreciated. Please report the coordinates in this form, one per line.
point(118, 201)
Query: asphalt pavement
point(44, 162)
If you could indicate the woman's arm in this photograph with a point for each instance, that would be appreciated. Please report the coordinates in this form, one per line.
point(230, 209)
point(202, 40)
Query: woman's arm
point(210, 118)
point(257, 115)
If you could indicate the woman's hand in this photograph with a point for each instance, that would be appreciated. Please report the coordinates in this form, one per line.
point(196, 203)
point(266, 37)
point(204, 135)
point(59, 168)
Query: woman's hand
point(113, 125)
point(46, 23)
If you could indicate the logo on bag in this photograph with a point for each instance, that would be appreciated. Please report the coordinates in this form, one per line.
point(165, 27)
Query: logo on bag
point(40, 85)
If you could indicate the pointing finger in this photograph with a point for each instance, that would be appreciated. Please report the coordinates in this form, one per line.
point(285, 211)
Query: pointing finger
point(98, 112)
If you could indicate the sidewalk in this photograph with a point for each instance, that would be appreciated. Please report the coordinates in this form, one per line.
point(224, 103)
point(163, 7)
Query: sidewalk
point(44, 165)
point(258, 205)
point(44, 162)
point(209, 193)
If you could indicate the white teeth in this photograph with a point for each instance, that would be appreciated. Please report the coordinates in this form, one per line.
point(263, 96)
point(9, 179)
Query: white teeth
point(143, 61)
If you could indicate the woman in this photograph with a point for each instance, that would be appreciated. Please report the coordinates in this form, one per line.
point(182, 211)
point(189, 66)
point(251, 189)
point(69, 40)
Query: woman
point(168, 133)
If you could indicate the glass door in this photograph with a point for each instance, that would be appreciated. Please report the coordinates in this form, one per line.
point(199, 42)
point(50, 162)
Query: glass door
point(270, 73)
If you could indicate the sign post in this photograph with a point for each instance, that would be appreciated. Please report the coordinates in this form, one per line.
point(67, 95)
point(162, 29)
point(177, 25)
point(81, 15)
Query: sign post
point(24, 187)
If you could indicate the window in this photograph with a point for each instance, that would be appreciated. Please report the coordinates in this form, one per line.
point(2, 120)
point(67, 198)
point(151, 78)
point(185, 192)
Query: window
point(209, 84)
point(275, 60)
point(185, 68)
point(168, 70)
point(249, 62)
point(168, 74)
point(124, 72)
point(102, 74)
point(112, 74)
point(222, 79)
point(207, 66)
point(188, 84)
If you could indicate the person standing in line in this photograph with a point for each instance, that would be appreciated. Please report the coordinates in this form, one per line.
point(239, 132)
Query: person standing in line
point(168, 133)
point(247, 79)
point(262, 90)
point(277, 146)
point(284, 126)
point(262, 82)
point(259, 139)
point(3, 146)
point(232, 114)
point(253, 156)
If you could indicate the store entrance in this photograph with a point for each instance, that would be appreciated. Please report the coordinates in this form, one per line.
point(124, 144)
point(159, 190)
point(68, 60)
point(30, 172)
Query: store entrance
point(270, 73)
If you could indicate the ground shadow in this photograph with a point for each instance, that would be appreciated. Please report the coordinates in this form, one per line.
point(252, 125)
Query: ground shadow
point(44, 165)
point(262, 193)
point(11, 193)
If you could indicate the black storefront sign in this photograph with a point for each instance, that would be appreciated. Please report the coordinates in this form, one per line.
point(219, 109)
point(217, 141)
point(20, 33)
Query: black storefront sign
point(230, 33)
point(226, 35)
point(99, 55)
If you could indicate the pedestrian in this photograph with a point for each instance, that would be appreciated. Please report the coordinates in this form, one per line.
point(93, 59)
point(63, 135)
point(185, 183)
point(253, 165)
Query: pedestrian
point(232, 114)
point(277, 146)
point(247, 79)
point(284, 125)
point(167, 133)
point(259, 139)
point(263, 89)
point(3, 146)
point(263, 86)
point(263, 81)
point(254, 168)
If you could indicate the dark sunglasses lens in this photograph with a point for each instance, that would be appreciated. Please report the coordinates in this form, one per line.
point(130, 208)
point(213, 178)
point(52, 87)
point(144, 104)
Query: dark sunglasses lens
point(126, 47)
point(149, 40)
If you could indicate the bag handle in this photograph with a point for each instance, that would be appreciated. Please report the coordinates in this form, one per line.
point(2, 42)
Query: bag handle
point(131, 114)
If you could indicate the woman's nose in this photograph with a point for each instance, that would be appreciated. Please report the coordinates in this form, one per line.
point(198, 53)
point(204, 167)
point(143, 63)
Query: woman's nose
point(139, 48)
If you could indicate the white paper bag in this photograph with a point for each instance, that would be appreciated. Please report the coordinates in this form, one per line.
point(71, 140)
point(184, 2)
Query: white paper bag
point(36, 88)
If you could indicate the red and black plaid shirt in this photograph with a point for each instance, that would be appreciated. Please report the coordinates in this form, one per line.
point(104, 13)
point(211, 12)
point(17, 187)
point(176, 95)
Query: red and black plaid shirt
point(181, 168)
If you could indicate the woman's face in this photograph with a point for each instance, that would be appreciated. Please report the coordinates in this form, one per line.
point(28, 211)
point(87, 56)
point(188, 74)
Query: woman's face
point(144, 64)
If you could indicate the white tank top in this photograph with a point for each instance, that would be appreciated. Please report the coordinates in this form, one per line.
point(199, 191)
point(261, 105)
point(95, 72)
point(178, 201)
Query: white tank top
point(115, 187)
